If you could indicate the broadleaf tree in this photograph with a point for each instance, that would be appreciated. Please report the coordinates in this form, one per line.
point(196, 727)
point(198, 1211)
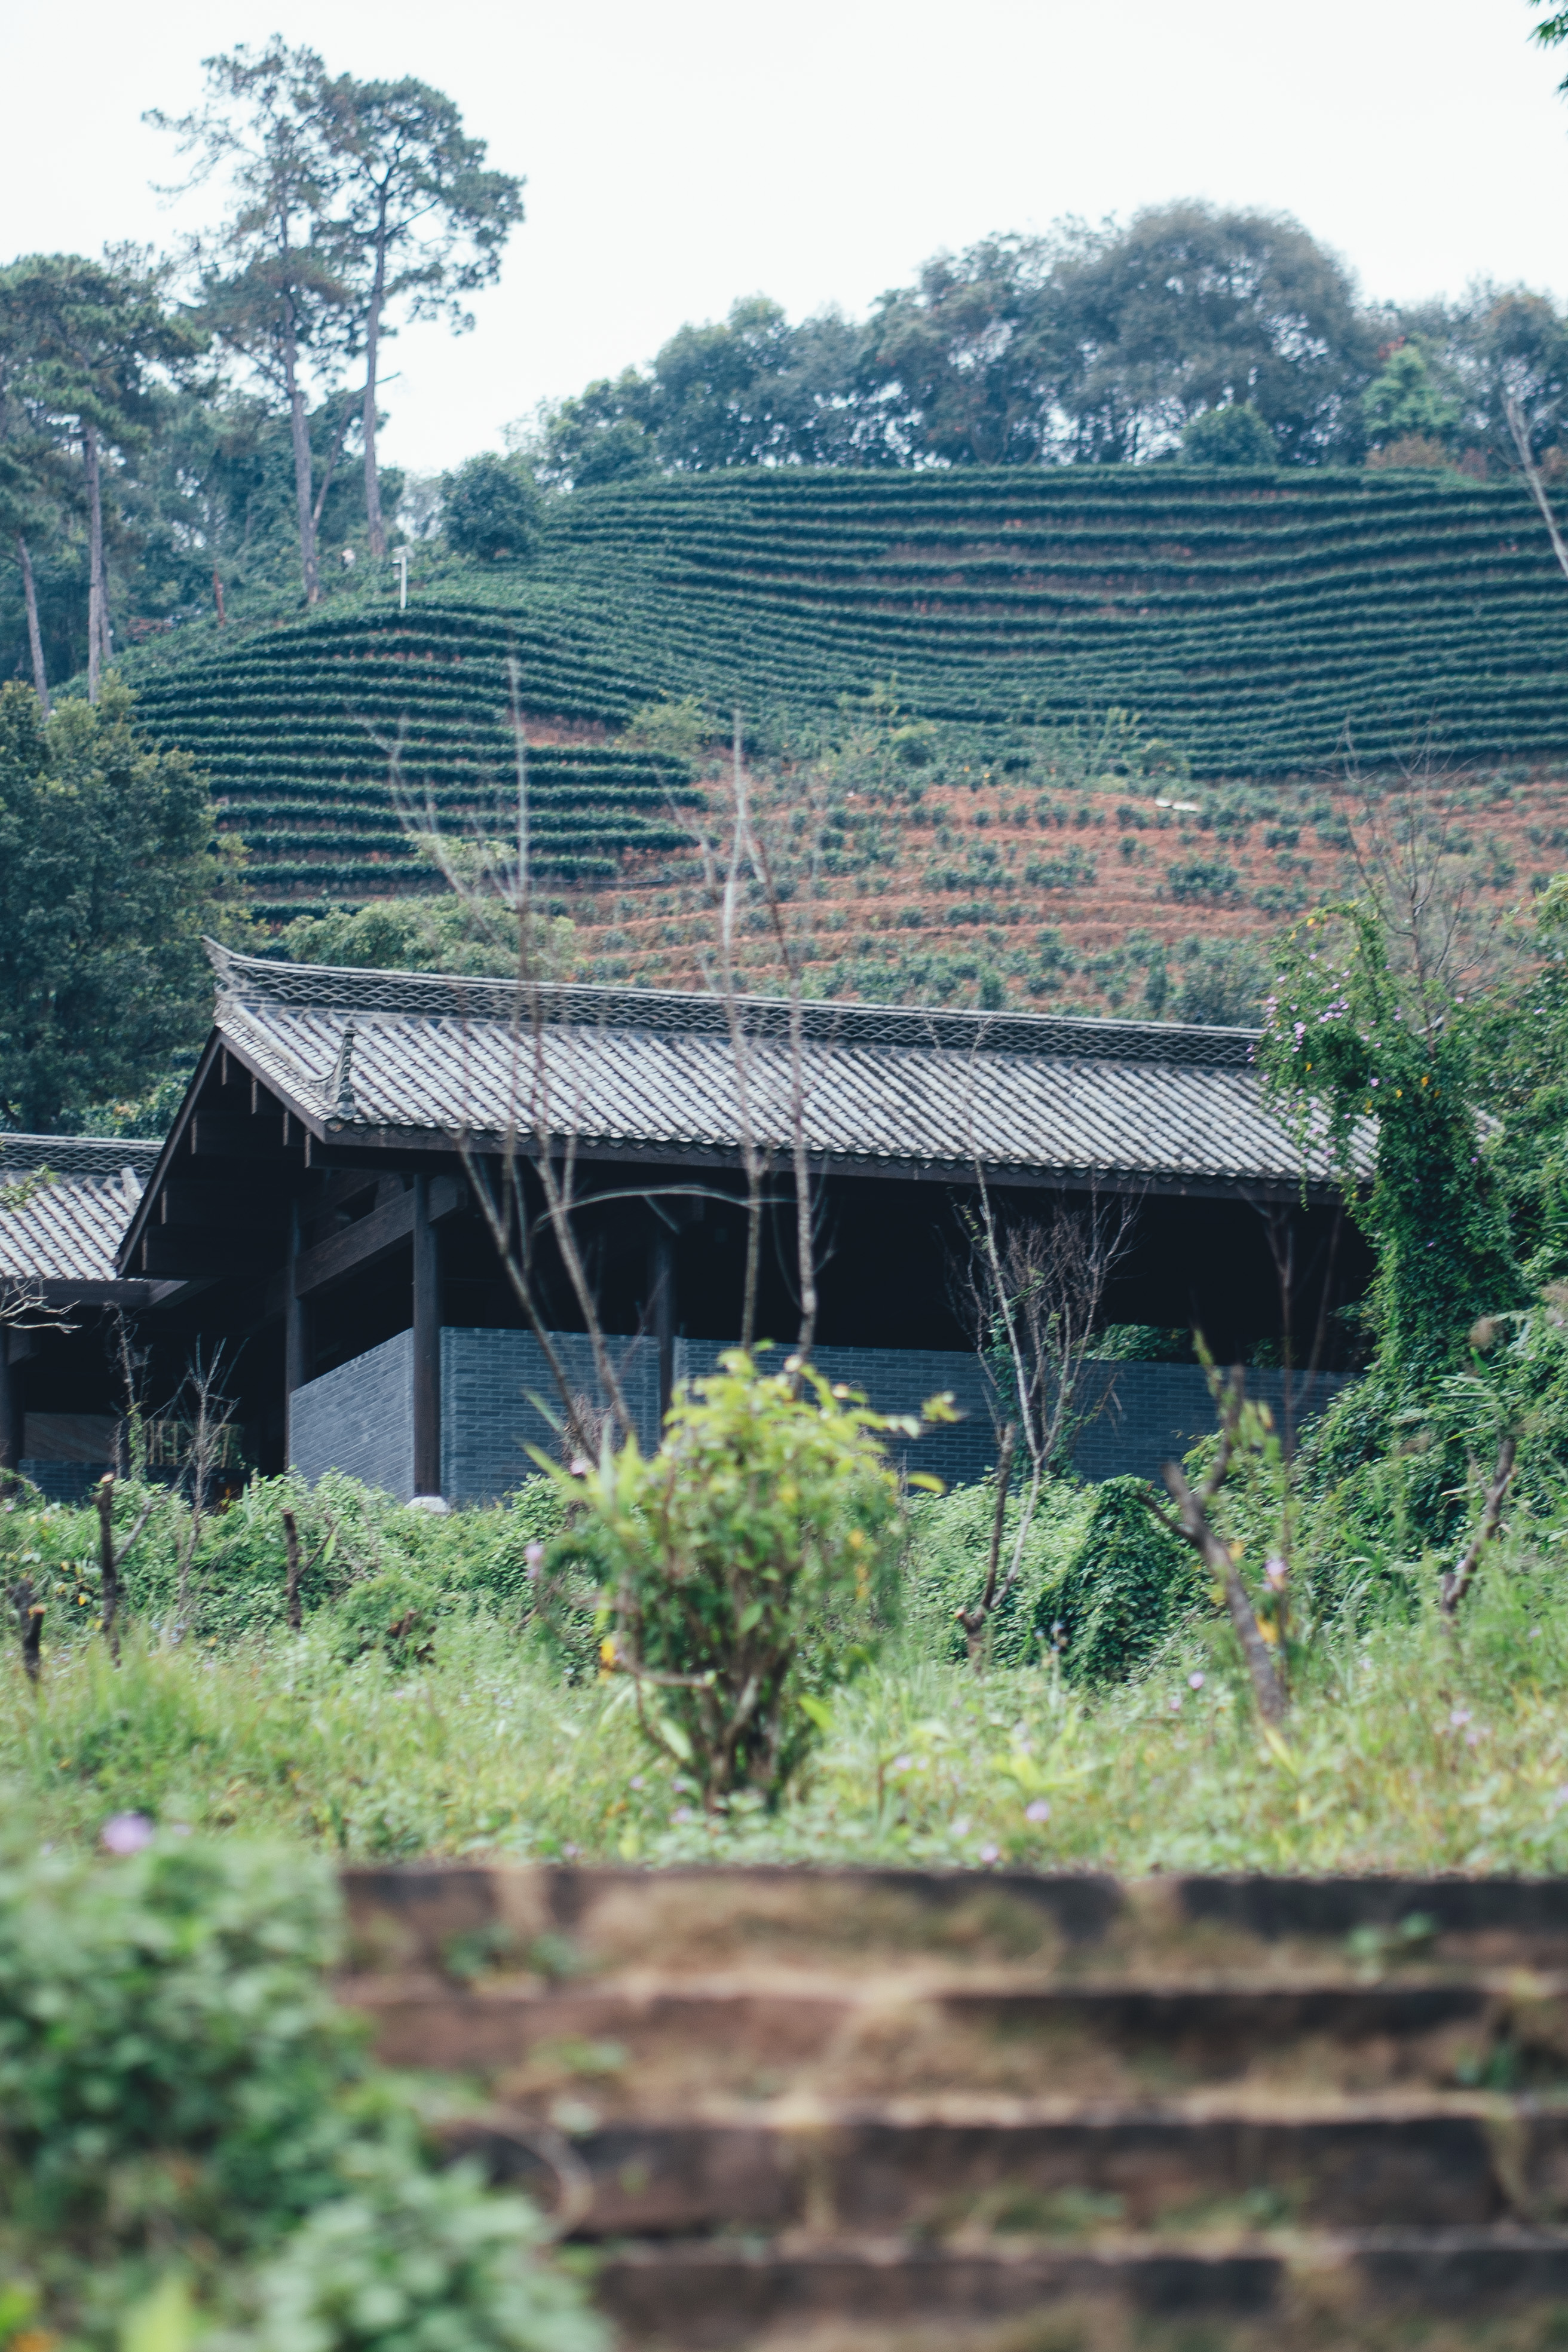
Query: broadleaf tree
point(108, 878)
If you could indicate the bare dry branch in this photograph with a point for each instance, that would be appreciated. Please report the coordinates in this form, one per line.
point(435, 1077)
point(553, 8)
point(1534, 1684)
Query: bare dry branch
point(1459, 1578)
point(1032, 1292)
point(112, 1558)
point(1192, 1522)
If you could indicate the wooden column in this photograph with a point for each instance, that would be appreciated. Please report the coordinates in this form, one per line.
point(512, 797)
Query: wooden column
point(10, 1407)
point(427, 1344)
point(661, 1304)
point(296, 1368)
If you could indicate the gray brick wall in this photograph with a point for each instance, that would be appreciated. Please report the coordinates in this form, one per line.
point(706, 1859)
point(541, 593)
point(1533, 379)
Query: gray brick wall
point(1143, 1413)
point(895, 1380)
point(1149, 1413)
point(63, 1482)
point(487, 1422)
point(359, 1419)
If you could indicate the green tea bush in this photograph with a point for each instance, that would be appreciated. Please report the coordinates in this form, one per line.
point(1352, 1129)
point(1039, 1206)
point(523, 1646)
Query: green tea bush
point(751, 1563)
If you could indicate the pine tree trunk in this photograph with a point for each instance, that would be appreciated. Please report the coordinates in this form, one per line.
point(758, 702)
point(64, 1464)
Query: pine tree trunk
point(371, 475)
point(96, 623)
point(303, 486)
point(34, 633)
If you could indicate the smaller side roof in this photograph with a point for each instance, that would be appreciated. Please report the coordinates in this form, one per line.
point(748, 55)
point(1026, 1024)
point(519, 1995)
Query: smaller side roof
point(65, 1204)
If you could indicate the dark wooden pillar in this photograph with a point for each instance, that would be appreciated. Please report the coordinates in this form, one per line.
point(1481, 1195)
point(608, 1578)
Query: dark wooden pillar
point(10, 1407)
point(427, 1344)
point(661, 1305)
point(296, 1336)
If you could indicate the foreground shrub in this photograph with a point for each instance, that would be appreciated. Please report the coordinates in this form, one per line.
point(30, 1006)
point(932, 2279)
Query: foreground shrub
point(417, 2262)
point(172, 2067)
point(179, 2095)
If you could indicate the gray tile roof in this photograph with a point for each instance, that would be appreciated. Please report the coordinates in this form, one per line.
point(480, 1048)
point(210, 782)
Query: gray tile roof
point(68, 1222)
point(376, 1055)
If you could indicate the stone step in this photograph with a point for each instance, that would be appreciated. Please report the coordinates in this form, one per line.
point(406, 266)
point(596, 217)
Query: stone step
point(1361, 2292)
point(935, 2169)
point(637, 2041)
point(866, 2110)
point(560, 1921)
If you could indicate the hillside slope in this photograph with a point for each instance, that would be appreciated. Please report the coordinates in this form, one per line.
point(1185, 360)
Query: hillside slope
point(1254, 621)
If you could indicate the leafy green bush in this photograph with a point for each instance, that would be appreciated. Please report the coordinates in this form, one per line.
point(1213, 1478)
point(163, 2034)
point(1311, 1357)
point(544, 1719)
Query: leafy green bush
point(1234, 435)
point(440, 933)
point(174, 2080)
point(1126, 1583)
point(178, 2090)
point(949, 1539)
point(752, 1561)
point(350, 1534)
point(415, 2261)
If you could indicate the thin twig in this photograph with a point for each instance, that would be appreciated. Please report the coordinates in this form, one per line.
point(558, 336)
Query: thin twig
point(1192, 1522)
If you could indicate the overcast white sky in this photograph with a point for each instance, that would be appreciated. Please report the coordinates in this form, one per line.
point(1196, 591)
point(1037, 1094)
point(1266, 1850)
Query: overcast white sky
point(680, 153)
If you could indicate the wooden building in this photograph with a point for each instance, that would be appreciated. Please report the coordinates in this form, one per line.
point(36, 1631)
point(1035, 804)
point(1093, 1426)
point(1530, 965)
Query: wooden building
point(311, 1206)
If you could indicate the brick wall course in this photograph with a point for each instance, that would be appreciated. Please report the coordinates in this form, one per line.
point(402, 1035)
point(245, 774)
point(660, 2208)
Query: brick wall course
point(359, 1418)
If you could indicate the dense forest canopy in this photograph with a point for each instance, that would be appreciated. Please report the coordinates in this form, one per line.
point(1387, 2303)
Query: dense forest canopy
point(1087, 345)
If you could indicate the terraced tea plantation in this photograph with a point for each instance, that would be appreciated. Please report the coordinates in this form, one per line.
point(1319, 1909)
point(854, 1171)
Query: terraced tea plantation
point(1257, 622)
point(332, 744)
point(1251, 618)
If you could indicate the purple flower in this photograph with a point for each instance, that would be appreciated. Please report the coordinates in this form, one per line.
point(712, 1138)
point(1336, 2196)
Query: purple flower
point(990, 1853)
point(1037, 1810)
point(636, 1780)
point(533, 1554)
point(961, 1826)
point(1459, 1718)
point(126, 1833)
point(903, 1763)
point(1194, 1682)
point(683, 1813)
point(1275, 1573)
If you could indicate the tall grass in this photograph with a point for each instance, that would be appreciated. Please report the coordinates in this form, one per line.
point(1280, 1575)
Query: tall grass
point(1409, 1748)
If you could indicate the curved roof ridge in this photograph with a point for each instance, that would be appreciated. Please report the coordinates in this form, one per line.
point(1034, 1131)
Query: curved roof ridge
point(259, 980)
